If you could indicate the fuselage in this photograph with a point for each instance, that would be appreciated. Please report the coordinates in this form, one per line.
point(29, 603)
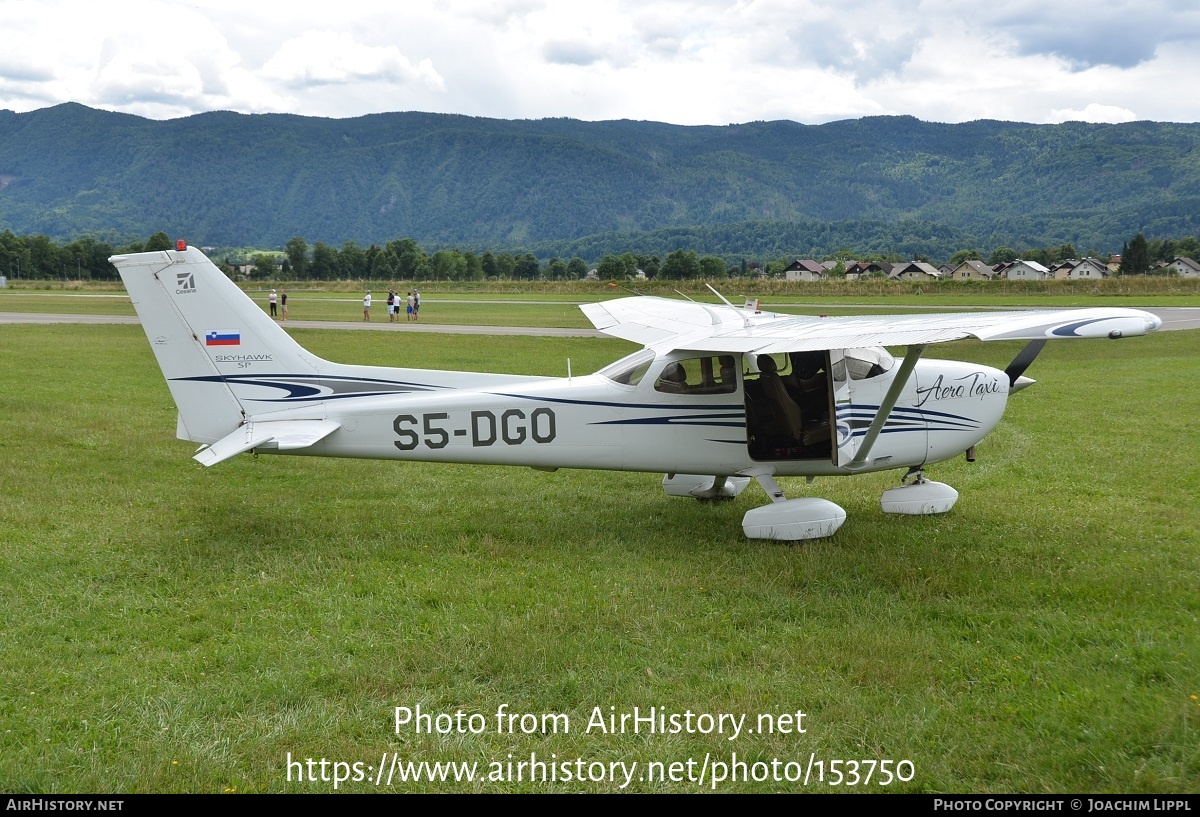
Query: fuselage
point(630, 416)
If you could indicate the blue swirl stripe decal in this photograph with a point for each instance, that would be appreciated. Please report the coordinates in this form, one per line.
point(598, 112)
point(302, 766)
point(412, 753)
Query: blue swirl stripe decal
point(858, 417)
point(1068, 330)
point(722, 415)
point(731, 420)
point(305, 388)
point(608, 404)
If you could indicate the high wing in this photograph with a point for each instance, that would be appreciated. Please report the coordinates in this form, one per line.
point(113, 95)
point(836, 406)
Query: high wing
point(666, 325)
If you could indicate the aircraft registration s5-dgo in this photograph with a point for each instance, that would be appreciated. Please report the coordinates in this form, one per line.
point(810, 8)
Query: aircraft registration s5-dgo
point(719, 395)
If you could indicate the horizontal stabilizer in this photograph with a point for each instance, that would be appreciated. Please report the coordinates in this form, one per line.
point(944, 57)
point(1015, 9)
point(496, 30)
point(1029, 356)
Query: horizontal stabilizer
point(280, 435)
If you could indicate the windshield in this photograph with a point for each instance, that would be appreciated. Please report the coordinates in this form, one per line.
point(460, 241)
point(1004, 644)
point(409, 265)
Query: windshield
point(629, 371)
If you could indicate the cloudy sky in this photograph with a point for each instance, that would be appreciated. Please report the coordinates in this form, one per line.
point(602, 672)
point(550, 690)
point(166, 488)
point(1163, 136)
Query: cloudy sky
point(687, 62)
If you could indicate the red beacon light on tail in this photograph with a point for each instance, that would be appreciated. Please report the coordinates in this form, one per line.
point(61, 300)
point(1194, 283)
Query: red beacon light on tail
point(181, 245)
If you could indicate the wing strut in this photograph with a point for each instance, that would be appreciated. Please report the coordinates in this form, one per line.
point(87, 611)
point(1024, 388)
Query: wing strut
point(885, 408)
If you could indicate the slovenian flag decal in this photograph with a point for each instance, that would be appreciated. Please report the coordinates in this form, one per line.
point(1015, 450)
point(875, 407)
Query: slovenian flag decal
point(223, 337)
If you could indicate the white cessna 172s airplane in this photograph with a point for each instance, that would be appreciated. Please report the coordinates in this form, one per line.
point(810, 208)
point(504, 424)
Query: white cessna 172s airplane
point(719, 395)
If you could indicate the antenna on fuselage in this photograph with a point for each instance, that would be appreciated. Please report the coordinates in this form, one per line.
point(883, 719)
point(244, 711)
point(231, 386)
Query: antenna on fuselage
point(745, 318)
point(627, 289)
point(719, 295)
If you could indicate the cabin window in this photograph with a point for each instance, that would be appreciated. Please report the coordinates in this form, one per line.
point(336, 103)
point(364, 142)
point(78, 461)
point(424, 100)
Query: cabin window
point(783, 365)
point(699, 375)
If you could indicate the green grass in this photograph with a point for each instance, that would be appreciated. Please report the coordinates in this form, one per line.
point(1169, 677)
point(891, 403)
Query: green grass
point(561, 310)
point(165, 627)
point(323, 306)
point(70, 303)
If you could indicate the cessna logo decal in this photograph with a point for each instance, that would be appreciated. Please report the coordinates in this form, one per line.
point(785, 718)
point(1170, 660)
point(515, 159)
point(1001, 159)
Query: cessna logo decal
point(184, 282)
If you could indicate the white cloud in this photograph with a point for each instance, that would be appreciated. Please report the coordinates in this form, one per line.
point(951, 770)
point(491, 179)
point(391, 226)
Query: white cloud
point(129, 77)
point(331, 57)
point(1121, 33)
point(572, 52)
point(1094, 112)
point(684, 61)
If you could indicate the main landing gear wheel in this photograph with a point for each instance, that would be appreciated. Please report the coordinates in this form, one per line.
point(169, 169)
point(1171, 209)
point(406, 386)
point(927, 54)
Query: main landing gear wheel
point(791, 520)
point(704, 488)
point(920, 497)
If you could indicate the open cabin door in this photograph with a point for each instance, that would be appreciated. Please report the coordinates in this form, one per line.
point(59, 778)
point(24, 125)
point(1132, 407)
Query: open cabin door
point(789, 406)
point(847, 419)
point(861, 379)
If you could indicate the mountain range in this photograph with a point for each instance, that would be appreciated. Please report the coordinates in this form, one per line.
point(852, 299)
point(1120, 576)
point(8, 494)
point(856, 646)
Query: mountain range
point(567, 187)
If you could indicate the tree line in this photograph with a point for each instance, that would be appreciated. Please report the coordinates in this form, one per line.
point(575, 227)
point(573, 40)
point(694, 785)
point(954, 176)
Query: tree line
point(38, 257)
point(403, 259)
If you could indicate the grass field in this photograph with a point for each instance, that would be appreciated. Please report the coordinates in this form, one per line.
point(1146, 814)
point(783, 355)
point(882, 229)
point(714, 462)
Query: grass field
point(561, 310)
point(170, 628)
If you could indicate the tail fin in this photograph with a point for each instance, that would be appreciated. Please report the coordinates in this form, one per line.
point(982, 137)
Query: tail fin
point(238, 379)
point(204, 331)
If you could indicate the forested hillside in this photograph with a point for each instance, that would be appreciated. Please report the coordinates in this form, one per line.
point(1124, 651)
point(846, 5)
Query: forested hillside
point(565, 187)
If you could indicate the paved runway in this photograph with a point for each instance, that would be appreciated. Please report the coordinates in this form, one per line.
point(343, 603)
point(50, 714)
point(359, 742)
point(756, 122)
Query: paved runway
point(380, 326)
point(1173, 317)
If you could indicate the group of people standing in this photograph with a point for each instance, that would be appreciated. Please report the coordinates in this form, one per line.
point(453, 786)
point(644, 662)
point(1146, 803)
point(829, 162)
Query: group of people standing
point(278, 303)
point(412, 305)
